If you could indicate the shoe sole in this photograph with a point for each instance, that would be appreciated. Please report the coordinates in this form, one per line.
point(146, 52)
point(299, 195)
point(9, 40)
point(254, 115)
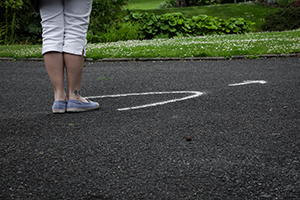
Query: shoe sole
point(56, 111)
point(81, 109)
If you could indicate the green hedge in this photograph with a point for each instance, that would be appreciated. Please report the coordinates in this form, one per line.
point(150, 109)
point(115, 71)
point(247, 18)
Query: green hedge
point(176, 25)
point(284, 19)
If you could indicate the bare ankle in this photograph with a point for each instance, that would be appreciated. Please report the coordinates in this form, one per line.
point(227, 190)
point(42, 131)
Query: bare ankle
point(60, 97)
point(76, 95)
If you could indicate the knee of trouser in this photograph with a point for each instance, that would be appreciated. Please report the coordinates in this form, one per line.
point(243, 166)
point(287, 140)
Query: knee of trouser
point(53, 40)
point(75, 48)
point(53, 25)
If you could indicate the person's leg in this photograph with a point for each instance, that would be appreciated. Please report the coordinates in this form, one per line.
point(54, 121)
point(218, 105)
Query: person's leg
point(74, 65)
point(53, 33)
point(54, 62)
point(76, 20)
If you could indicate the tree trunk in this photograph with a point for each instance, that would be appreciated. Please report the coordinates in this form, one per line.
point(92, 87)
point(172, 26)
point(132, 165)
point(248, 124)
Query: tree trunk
point(181, 3)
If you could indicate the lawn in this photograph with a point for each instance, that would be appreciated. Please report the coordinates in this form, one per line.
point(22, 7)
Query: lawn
point(206, 46)
point(252, 44)
point(143, 4)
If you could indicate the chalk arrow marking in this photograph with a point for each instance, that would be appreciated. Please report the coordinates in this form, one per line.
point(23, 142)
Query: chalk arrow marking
point(193, 94)
point(248, 83)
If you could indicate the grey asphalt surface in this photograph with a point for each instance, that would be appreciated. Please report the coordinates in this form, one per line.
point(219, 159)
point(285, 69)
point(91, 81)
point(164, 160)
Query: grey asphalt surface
point(238, 142)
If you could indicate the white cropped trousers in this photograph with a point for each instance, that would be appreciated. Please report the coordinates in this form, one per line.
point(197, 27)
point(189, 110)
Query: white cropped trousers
point(65, 24)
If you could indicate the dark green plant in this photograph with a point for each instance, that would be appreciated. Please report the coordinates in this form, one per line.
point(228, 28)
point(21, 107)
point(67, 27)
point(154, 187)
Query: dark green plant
point(160, 26)
point(2, 32)
point(285, 3)
point(22, 24)
point(104, 13)
point(31, 28)
point(167, 4)
point(91, 38)
point(176, 25)
point(296, 3)
point(278, 3)
point(204, 2)
point(172, 3)
point(284, 19)
point(122, 31)
point(11, 7)
point(207, 25)
point(20, 21)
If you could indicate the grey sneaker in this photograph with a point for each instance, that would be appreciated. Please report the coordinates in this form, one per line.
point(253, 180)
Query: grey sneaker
point(79, 106)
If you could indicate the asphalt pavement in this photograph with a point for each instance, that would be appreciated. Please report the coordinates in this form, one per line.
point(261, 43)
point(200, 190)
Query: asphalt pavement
point(227, 129)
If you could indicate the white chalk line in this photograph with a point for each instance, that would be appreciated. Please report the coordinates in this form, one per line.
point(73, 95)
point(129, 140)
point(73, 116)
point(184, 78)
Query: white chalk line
point(195, 94)
point(248, 82)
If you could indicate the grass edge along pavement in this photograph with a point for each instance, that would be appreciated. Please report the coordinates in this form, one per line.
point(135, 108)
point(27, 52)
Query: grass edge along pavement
point(250, 45)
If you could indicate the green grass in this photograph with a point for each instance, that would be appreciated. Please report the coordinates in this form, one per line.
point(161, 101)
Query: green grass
point(206, 46)
point(21, 51)
point(143, 4)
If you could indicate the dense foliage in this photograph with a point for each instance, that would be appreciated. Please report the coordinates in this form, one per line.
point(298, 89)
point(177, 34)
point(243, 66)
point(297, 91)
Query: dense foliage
point(278, 3)
point(284, 19)
point(19, 23)
point(203, 2)
point(173, 4)
point(176, 25)
point(103, 14)
point(296, 4)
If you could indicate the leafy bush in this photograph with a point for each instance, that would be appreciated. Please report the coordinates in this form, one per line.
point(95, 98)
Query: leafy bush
point(203, 2)
point(173, 3)
point(104, 13)
point(122, 31)
point(207, 25)
point(167, 4)
point(296, 4)
point(278, 3)
point(265, 3)
point(2, 33)
point(21, 24)
point(164, 26)
point(284, 3)
point(176, 25)
point(283, 19)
